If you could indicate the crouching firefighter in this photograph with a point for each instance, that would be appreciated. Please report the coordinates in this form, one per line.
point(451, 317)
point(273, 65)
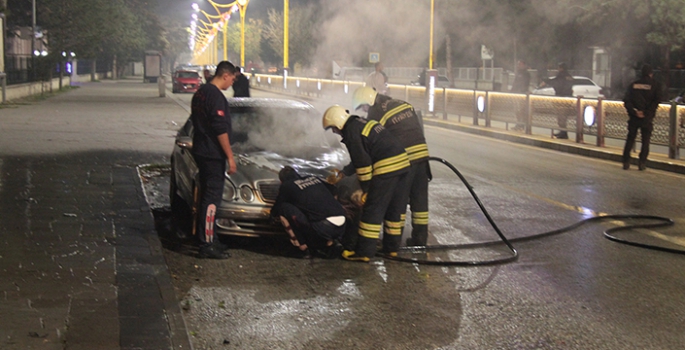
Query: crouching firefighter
point(402, 121)
point(309, 213)
point(382, 166)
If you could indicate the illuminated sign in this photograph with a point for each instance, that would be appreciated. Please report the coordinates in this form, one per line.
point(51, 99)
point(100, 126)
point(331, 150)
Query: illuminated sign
point(285, 79)
point(431, 93)
point(589, 115)
point(480, 103)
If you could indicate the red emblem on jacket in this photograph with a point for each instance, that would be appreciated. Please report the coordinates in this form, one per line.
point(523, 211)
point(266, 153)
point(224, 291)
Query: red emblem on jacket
point(220, 113)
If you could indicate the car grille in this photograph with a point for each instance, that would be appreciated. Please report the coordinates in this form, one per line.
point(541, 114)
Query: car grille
point(269, 191)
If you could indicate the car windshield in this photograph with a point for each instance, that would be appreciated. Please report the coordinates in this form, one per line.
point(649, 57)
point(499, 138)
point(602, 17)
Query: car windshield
point(187, 75)
point(292, 132)
point(583, 82)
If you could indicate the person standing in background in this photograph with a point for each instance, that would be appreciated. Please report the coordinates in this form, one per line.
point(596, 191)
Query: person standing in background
point(378, 80)
point(641, 102)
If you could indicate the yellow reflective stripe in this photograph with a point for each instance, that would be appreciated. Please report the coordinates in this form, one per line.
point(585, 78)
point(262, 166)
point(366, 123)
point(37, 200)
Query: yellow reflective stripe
point(419, 218)
point(403, 217)
point(392, 231)
point(393, 224)
point(364, 174)
point(369, 230)
point(389, 114)
point(417, 151)
point(391, 164)
point(393, 227)
point(369, 125)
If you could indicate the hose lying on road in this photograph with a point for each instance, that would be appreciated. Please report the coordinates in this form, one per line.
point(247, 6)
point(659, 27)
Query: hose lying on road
point(657, 221)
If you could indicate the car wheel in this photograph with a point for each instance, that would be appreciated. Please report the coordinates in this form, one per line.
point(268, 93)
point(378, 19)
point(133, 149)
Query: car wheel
point(181, 218)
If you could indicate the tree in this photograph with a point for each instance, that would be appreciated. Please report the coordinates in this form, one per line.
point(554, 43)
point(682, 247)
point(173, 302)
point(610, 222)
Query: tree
point(302, 26)
point(253, 37)
point(659, 22)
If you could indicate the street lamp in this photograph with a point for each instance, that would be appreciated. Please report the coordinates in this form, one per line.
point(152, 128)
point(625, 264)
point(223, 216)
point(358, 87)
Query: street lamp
point(242, 6)
point(430, 59)
point(286, 20)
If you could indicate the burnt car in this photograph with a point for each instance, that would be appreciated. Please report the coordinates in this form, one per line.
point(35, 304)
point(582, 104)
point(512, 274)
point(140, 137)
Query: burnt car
point(267, 135)
point(185, 81)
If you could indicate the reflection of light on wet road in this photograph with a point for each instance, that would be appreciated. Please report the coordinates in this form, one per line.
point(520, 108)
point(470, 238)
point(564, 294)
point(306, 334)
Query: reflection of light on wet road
point(348, 287)
point(380, 268)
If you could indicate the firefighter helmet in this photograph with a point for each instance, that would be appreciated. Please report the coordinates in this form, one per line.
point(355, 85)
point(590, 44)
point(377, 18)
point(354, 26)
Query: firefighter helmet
point(335, 116)
point(364, 95)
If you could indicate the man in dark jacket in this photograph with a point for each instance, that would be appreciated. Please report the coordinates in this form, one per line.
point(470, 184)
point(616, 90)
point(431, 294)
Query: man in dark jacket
point(402, 121)
point(381, 164)
point(211, 151)
point(563, 86)
point(521, 85)
point(241, 85)
point(311, 215)
point(641, 102)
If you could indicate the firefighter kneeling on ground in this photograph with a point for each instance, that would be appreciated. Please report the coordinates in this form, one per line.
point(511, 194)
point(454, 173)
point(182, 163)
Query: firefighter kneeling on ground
point(402, 121)
point(309, 213)
point(382, 166)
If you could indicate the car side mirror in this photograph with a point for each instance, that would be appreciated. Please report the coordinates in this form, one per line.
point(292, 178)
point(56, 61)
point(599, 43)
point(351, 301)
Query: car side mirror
point(184, 142)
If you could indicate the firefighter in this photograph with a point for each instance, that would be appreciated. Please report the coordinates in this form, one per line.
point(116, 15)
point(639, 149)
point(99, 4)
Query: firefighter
point(563, 86)
point(381, 165)
point(309, 212)
point(212, 153)
point(402, 121)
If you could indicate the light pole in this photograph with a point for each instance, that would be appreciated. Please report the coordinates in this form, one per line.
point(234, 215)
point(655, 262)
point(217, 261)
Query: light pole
point(242, 6)
point(430, 59)
point(286, 20)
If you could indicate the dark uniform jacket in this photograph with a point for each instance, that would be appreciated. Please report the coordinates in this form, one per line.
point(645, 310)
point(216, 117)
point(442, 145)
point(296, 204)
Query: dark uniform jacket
point(311, 195)
point(374, 151)
point(642, 95)
point(241, 86)
point(400, 119)
point(211, 118)
point(562, 83)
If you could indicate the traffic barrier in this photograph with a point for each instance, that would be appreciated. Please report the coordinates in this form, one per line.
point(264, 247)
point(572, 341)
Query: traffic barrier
point(583, 116)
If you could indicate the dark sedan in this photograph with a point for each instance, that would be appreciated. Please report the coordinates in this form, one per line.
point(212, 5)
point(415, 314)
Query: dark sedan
point(267, 134)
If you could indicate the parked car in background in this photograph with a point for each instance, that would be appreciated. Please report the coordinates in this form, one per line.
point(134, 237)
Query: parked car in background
point(267, 134)
point(185, 81)
point(442, 82)
point(582, 86)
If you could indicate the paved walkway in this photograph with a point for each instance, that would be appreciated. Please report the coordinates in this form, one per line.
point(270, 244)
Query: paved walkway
point(81, 265)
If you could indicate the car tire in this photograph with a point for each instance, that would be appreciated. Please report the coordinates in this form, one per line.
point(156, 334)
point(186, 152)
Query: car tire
point(181, 217)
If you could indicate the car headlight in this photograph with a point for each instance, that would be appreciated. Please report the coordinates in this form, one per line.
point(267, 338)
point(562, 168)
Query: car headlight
point(229, 193)
point(246, 193)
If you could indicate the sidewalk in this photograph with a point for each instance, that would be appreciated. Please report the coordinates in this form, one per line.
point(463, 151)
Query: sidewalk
point(613, 153)
point(81, 262)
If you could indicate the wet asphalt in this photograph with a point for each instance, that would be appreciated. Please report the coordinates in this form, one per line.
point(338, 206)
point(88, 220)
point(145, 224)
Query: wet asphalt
point(83, 264)
point(575, 290)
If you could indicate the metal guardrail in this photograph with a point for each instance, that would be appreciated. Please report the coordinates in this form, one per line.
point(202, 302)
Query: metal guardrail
point(583, 116)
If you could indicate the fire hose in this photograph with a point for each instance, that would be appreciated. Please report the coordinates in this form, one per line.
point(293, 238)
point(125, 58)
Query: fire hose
point(654, 221)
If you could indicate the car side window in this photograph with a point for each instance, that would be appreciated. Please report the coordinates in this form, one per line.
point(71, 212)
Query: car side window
point(582, 82)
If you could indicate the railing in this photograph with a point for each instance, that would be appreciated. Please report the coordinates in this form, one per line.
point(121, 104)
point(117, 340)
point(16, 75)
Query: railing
point(583, 116)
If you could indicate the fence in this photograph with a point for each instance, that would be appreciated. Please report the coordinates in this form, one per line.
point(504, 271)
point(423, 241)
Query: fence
point(584, 117)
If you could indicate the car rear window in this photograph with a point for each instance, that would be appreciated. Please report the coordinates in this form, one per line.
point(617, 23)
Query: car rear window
point(583, 82)
point(188, 75)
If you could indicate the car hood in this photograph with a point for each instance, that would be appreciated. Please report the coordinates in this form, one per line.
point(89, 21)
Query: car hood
point(264, 166)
